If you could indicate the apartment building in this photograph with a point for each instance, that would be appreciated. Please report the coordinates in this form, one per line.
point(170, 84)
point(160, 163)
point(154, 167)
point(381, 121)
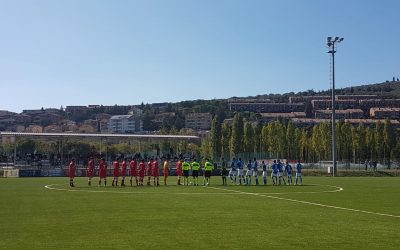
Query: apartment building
point(121, 124)
point(384, 113)
point(198, 121)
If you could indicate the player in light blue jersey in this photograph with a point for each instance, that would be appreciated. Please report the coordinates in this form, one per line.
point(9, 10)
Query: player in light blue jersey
point(248, 173)
point(280, 172)
point(298, 172)
point(255, 170)
point(240, 171)
point(274, 174)
point(288, 169)
point(232, 172)
point(264, 173)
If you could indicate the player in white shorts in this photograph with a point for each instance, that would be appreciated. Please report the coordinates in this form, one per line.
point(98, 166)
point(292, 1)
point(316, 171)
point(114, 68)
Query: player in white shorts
point(298, 172)
point(255, 170)
point(232, 172)
point(274, 174)
point(248, 173)
point(280, 173)
point(264, 173)
point(240, 171)
point(288, 169)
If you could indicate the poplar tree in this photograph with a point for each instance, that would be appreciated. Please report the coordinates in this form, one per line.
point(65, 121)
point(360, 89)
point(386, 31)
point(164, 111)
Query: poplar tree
point(236, 143)
point(216, 136)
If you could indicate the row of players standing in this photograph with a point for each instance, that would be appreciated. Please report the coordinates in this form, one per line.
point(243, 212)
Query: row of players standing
point(138, 171)
point(151, 169)
point(237, 170)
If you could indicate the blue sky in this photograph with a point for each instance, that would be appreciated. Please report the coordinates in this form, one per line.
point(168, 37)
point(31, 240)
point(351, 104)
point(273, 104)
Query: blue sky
point(81, 52)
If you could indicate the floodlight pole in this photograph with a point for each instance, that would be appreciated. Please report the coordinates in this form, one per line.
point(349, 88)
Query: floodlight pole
point(331, 45)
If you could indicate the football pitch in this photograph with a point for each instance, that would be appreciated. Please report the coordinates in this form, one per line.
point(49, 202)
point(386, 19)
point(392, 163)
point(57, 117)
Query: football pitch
point(323, 213)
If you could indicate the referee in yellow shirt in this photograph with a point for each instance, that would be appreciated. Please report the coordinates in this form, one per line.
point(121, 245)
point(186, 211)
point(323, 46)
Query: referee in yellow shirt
point(208, 167)
point(195, 172)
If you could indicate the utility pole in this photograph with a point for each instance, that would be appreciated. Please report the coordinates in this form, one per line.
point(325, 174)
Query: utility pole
point(331, 46)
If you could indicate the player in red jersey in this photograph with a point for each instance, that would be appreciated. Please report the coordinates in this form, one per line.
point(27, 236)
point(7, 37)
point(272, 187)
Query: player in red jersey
point(72, 172)
point(142, 169)
point(179, 171)
point(148, 171)
point(103, 171)
point(123, 172)
point(90, 172)
point(115, 172)
point(133, 171)
point(156, 173)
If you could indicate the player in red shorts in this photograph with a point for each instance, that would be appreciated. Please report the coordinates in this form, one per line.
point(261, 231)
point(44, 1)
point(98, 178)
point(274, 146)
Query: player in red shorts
point(179, 171)
point(115, 172)
point(148, 171)
point(142, 169)
point(90, 172)
point(123, 172)
point(156, 172)
point(103, 171)
point(133, 171)
point(72, 172)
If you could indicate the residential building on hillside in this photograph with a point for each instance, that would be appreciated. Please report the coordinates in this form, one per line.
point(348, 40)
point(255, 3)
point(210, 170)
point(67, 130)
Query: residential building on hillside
point(198, 121)
point(122, 124)
point(267, 107)
point(356, 97)
point(303, 99)
point(34, 129)
point(135, 111)
point(339, 104)
point(307, 122)
point(53, 129)
point(384, 113)
point(381, 103)
point(268, 117)
point(340, 114)
point(76, 109)
point(248, 100)
point(372, 122)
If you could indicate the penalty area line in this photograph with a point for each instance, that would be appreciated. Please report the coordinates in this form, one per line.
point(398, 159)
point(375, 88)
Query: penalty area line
point(310, 203)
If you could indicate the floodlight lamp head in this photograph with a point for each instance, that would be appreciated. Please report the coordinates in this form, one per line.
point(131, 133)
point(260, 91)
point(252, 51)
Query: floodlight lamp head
point(336, 39)
point(341, 39)
point(329, 39)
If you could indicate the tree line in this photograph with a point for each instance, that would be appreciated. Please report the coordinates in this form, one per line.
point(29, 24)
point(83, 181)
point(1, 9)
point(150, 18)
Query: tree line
point(282, 139)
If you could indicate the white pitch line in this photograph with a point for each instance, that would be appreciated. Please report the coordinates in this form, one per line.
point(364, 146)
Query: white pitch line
point(50, 186)
point(309, 203)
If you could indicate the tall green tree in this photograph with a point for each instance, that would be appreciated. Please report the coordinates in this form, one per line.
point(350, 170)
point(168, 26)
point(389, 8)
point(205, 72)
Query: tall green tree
point(216, 136)
point(325, 132)
point(290, 141)
point(264, 139)
point(389, 141)
point(249, 140)
point(226, 137)
point(257, 139)
point(315, 144)
point(379, 146)
point(304, 145)
point(297, 145)
point(236, 143)
point(370, 143)
point(362, 145)
point(346, 153)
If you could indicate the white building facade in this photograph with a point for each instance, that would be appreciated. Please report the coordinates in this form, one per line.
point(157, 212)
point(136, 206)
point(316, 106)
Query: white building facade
point(125, 124)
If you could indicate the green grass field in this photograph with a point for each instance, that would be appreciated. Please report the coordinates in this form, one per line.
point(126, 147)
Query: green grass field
point(317, 215)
